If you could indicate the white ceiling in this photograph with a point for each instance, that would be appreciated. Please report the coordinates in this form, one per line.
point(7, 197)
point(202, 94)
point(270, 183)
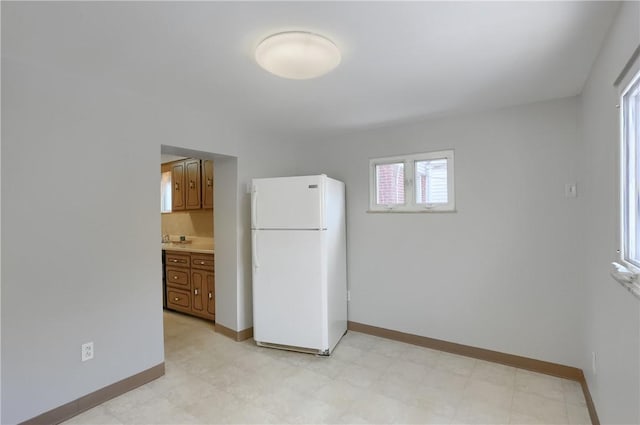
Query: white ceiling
point(401, 61)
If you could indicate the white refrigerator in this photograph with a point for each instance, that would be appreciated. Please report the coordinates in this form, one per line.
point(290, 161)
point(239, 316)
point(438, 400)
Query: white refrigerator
point(299, 263)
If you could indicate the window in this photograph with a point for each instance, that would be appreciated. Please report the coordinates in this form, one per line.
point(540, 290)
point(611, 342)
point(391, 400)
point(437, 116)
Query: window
point(165, 192)
point(412, 183)
point(630, 183)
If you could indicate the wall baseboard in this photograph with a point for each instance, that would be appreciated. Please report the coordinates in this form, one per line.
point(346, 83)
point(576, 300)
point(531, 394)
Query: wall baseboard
point(234, 335)
point(540, 366)
point(79, 405)
point(590, 405)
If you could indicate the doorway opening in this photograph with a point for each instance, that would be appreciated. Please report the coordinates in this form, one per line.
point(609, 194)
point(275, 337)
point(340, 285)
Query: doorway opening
point(198, 207)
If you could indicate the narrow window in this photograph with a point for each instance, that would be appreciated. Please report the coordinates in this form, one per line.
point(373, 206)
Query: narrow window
point(630, 184)
point(165, 192)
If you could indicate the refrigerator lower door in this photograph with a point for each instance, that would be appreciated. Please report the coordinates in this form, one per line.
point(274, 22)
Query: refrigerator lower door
point(289, 296)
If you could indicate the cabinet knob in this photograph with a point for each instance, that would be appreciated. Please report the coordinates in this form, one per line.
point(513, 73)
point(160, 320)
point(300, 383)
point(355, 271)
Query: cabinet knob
point(175, 277)
point(192, 184)
point(201, 262)
point(210, 295)
point(209, 182)
point(176, 299)
point(177, 186)
point(174, 260)
point(195, 292)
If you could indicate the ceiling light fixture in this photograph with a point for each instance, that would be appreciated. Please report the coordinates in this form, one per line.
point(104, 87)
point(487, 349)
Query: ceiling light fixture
point(297, 55)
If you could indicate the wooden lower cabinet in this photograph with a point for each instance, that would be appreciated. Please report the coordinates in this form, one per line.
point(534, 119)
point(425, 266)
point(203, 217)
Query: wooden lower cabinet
point(202, 284)
point(191, 284)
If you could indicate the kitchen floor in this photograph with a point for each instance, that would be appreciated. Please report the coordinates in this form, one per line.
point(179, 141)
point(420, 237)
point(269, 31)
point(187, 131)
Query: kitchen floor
point(211, 379)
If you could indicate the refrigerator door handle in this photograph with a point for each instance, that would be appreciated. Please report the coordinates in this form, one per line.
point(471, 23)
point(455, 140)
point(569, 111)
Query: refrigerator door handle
point(254, 249)
point(322, 207)
point(254, 207)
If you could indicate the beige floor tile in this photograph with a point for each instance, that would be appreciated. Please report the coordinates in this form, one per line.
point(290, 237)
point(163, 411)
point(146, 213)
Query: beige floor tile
point(377, 408)
point(156, 411)
point(373, 360)
point(445, 380)
point(542, 385)
point(422, 356)
point(405, 370)
point(442, 402)
point(494, 373)
point(573, 393)
point(328, 366)
point(350, 418)
point(389, 348)
point(360, 376)
point(305, 381)
point(491, 394)
point(578, 415)
point(129, 401)
point(357, 340)
point(423, 415)
point(398, 388)
point(479, 412)
point(460, 365)
point(543, 409)
point(348, 353)
point(340, 394)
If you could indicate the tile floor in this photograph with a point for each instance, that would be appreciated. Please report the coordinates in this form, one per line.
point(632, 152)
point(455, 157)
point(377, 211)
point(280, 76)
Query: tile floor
point(211, 380)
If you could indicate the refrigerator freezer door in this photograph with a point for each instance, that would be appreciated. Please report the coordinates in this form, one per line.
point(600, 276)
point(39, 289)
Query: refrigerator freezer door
point(288, 203)
point(289, 290)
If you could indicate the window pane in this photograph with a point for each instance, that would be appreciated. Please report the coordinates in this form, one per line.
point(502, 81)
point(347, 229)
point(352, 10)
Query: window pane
point(431, 181)
point(390, 184)
point(631, 182)
point(165, 192)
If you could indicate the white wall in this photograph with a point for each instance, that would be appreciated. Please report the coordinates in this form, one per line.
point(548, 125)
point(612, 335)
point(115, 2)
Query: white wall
point(612, 317)
point(500, 273)
point(84, 263)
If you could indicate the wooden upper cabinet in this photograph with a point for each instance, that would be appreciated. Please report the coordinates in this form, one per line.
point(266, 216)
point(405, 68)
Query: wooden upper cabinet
point(207, 184)
point(178, 194)
point(192, 184)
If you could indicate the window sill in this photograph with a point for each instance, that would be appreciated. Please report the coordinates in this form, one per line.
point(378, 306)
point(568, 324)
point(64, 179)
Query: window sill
point(425, 211)
point(627, 278)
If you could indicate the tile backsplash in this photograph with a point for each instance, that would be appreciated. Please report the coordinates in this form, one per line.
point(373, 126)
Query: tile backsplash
point(191, 223)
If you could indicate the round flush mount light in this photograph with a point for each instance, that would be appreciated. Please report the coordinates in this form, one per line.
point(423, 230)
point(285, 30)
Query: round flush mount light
point(297, 55)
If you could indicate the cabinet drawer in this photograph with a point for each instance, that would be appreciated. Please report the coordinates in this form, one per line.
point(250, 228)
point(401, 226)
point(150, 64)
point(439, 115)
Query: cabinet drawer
point(202, 261)
point(177, 277)
point(177, 260)
point(178, 299)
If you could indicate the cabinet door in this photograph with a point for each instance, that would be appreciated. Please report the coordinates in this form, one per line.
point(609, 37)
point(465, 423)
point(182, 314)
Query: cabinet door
point(192, 184)
point(207, 184)
point(198, 287)
point(177, 184)
point(211, 294)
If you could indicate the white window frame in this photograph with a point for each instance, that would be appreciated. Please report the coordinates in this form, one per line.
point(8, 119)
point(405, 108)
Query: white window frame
point(410, 204)
point(628, 192)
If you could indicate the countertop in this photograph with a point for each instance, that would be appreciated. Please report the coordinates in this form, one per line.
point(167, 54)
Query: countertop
point(198, 245)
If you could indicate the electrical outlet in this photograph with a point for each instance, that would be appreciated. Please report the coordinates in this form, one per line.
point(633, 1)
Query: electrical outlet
point(87, 351)
point(348, 296)
point(571, 190)
point(593, 362)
